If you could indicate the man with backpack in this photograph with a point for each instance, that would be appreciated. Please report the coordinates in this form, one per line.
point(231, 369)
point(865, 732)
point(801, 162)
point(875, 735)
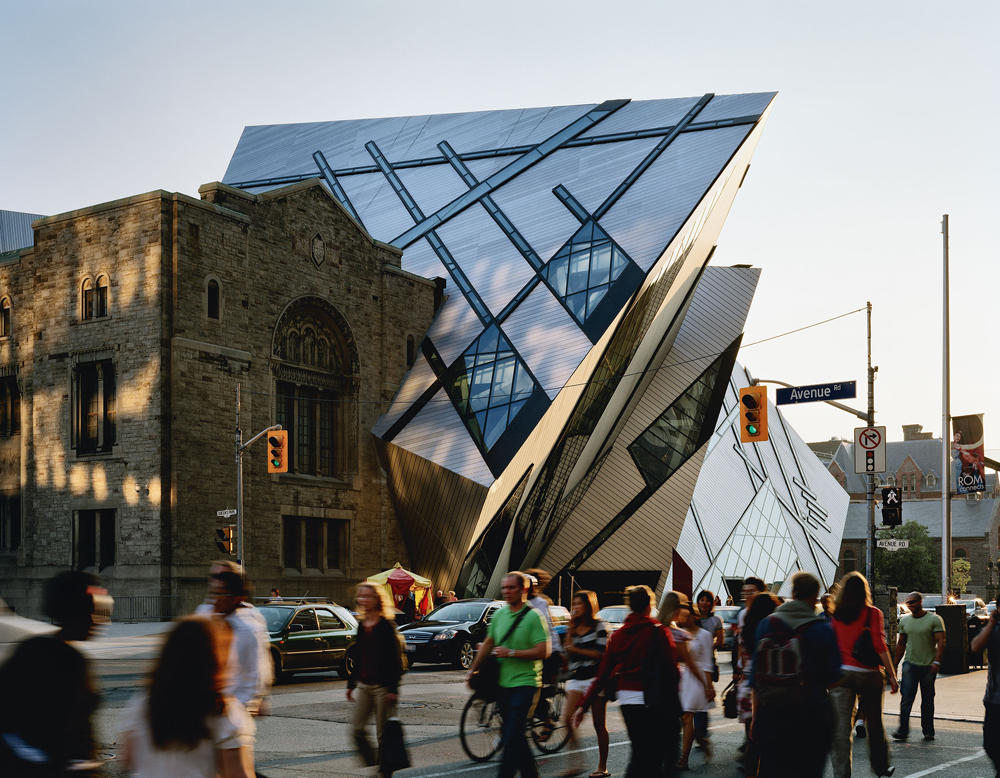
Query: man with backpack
point(795, 663)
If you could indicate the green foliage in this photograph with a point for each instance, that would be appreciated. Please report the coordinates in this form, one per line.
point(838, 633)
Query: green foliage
point(916, 568)
point(960, 574)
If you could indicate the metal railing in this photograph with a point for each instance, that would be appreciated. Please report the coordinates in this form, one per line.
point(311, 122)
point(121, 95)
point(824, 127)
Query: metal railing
point(151, 607)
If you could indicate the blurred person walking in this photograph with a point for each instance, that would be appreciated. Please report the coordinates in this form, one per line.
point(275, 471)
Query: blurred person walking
point(696, 691)
point(585, 643)
point(795, 663)
point(989, 639)
point(519, 637)
point(185, 725)
point(706, 618)
point(377, 671)
point(921, 638)
point(251, 671)
point(752, 586)
point(764, 604)
point(860, 635)
point(49, 695)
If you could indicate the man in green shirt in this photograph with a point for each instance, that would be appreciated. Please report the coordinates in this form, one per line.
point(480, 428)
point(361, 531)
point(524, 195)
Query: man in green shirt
point(519, 638)
point(921, 636)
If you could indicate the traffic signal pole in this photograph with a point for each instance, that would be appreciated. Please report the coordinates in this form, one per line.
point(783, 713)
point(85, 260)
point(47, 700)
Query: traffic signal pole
point(946, 428)
point(240, 448)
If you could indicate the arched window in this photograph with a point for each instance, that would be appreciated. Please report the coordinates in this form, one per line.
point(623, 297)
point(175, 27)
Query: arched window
point(849, 561)
point(87, 300)
point(213, 299)
point(5, 317)
point(101, 303)
point(411, 350)
point(960, 553)
point(931, 480)
point(890, 481)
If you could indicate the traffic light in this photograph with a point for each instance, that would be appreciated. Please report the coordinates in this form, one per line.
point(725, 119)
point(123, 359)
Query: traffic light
point(892, 507)
point(277, 451)
point(225, 540)
point(753, 414)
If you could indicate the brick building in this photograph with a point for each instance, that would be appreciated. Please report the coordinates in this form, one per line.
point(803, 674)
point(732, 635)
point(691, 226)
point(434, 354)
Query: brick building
point(125, 329)
point(914, 465)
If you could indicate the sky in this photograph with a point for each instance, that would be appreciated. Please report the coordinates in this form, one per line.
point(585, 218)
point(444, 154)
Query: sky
point(887, 117)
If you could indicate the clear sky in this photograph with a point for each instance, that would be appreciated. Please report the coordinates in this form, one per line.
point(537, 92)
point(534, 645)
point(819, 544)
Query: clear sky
point(888, 116)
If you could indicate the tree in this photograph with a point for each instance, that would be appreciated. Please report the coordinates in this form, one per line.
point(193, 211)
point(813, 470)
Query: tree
point(960, 574)
point(909, 569)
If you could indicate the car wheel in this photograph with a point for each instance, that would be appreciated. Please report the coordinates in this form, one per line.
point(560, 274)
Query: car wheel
point(466, 653)
point(347, 666)
point(279, 674)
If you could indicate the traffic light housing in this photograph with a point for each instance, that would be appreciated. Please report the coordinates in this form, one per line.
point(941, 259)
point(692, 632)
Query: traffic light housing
point(277, 451)
point(224, 540)
point(892, 507)
point(753, 414)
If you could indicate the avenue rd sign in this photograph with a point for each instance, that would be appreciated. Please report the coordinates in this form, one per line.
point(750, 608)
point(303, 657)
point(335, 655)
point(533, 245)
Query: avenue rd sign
point(893, 544)
point(815, 393)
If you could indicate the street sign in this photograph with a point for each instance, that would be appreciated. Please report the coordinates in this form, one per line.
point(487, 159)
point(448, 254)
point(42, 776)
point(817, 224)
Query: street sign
point(893, 544)
point(869, 450)
point(226, 513)
point(815, 393)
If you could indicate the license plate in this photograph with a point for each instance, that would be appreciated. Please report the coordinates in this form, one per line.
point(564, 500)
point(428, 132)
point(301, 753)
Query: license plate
point(410, 647)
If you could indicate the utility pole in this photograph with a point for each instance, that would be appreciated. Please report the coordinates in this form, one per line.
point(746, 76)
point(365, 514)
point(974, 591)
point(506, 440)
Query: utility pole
point(240, 448)
point(945, 428)
point(870, 556)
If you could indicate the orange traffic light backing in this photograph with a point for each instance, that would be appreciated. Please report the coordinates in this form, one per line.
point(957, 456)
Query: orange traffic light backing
point(753, 414)
point(277, 451)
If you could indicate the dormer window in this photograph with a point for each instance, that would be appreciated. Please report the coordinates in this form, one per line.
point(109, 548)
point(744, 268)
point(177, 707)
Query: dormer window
point(88, 300)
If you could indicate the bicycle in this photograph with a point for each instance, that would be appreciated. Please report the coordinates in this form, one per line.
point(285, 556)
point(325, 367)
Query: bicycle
point(481, 726)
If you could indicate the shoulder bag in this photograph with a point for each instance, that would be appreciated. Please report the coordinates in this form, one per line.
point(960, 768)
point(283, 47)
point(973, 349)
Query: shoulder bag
point(486, 680)
point(864, 649)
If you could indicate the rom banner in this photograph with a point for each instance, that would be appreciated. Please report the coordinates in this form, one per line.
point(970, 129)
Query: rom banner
point(968, 468)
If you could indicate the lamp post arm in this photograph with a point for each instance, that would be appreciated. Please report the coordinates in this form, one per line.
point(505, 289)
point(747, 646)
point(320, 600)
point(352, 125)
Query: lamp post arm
point(841, 406)
point(258, 436)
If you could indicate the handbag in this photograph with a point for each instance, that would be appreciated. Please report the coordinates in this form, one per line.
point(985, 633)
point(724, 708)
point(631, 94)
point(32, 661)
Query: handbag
point(864, 649)
point(392, 750)
point(486, 680)
point(730, 703)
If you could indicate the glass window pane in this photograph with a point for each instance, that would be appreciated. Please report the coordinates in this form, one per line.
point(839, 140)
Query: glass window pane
point(503, 382)
point(557, 275)
point(578, 305)
point(578, 267)
point(523, 384)
point(594, 297)
point(600, 265)
point(495, 425)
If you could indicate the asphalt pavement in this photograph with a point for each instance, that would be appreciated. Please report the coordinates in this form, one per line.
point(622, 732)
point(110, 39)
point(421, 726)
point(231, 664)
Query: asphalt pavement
point(306, 733)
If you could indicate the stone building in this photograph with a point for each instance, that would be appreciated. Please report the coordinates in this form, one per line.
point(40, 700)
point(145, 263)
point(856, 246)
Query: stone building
point(125, 330)
point(914, 465)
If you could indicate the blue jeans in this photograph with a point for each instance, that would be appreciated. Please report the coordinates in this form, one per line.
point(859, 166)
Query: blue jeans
point(915, 676)
point(516, 706)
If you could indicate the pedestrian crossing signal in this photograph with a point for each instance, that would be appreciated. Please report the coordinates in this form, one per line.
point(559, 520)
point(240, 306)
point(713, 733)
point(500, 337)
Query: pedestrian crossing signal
point(753, 414)
point(224, 540)
point(277, 451)
point(892, 507)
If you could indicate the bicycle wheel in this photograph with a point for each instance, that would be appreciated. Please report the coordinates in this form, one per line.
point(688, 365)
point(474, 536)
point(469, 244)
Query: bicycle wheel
point(551, 734)
point(480, 729)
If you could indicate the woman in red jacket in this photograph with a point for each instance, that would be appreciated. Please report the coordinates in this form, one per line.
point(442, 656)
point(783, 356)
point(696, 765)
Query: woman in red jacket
point(861, 639)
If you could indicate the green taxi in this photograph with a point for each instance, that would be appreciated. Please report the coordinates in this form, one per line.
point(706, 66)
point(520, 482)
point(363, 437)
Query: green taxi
point(309, 636)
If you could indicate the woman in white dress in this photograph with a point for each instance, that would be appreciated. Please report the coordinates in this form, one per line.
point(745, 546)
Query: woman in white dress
point(183, 726)
point(693, 690)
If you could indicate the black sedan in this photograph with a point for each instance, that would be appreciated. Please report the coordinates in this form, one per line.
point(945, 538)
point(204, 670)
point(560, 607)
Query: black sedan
point(309, 636)
point(450, 632)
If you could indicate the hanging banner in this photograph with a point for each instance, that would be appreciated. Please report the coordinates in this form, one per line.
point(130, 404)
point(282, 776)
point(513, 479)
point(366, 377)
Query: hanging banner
point(968, 451)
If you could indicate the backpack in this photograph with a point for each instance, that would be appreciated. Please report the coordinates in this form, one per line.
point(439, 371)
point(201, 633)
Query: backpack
point(780, 673)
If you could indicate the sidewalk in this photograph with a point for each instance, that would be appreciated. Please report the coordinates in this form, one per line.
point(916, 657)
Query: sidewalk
point(956, 698)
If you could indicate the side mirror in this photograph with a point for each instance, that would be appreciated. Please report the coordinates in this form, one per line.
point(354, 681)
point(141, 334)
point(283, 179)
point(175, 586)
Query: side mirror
point(295, 628)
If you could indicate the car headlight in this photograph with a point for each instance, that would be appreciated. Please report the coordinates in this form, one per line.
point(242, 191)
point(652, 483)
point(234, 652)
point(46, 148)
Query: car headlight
point(448, 634)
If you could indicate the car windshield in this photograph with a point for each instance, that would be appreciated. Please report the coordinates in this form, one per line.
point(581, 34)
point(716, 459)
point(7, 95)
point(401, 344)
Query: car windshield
point(276, 618)
point(729, 616)
point(613, 615)
point(457, 611)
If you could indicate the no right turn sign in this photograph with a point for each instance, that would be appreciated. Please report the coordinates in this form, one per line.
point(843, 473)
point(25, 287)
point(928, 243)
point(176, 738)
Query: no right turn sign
point(869, 450)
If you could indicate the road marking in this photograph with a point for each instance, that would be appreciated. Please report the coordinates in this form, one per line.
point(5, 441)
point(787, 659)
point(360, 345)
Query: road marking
point(946, 765)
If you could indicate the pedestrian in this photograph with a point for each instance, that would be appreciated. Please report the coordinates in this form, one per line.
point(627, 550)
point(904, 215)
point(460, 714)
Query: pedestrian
point(752, 586)
point(671, 711)
point(921, 637)
point(706, 618)
point(795, 663)
point(989, 638)
point(452, 597)
point(860, 633)
point(251, 669)
point(729, 600)
point(641, 652)
point(378, 669)
point(518, 636)
point(695, 694)
point(48, 732)
point(275, 594)
point(586, 640)
point(827, 602)
point(185, 724)
point(764, 604)
point(439, 599)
